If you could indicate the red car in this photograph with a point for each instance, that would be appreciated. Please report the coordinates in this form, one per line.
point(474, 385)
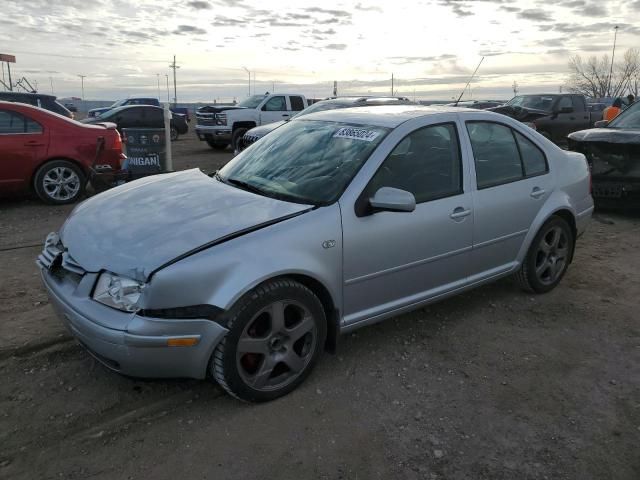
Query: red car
point(52, 155)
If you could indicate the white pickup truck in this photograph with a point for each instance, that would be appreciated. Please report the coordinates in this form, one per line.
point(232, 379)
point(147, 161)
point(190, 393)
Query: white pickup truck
point(221, 126)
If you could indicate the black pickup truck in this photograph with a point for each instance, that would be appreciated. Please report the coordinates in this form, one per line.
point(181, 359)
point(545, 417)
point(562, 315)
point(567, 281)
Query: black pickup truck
point(554, 115)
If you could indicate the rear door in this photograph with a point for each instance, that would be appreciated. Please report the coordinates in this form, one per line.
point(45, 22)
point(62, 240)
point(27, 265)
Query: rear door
point(274, 110)
point(23, 143)
point(512, 183)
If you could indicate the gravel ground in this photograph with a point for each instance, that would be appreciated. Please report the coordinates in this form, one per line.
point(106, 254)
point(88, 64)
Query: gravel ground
point(494, 384)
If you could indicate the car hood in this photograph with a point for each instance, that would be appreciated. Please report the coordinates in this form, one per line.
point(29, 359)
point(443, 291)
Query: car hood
point(607, 135)
point(141, 226)
point(262, 130)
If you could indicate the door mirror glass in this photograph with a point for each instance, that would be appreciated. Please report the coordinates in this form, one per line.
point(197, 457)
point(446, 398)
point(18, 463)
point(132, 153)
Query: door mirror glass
point(393, 200)
point(601, 123)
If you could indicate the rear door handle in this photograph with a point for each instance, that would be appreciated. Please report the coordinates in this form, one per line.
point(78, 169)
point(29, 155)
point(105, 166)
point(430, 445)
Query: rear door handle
point(33, 143)
point(459, 212)
point(285, 115)
point(537, 192)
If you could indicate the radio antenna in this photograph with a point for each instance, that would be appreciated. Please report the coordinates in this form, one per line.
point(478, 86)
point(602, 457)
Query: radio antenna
point(467, 85)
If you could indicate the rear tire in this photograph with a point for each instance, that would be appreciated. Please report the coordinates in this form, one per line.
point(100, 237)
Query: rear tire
point(59, 182)
point(276, 335)
point(548, 257)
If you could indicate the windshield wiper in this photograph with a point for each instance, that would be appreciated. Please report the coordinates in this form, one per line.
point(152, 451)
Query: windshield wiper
point(243, 185)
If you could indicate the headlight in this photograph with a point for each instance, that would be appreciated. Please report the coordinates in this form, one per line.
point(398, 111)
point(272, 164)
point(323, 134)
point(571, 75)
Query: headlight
point(118, 292)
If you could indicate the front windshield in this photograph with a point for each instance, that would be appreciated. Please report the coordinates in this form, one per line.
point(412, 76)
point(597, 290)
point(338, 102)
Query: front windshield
point(304, 161)
point(251, 102)
point(629, 118)
point(538, 102)
point(118, 103)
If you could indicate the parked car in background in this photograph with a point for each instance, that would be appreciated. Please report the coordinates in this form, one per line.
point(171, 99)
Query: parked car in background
point(554, 115)
point(336, 220)
point(182, 111)
point(94, 112)
point(221, 126)
point(477, 104)
point(71, 107)
point(51, 154)
point(333, 103)
point(613, 152)
point(48, 102)
point(141, 116)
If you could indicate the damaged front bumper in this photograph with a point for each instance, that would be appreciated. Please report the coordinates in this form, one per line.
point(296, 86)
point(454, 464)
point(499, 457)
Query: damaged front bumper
point(137, 346)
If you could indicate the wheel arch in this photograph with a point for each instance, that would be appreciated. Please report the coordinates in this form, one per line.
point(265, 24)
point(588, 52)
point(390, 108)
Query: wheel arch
point(243, 124)
point(331, 311)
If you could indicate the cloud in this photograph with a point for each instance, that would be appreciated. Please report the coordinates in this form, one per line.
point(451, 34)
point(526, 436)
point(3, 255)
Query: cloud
point(222, 21)
point(324, 11)
point(187, 29)
point(335, 46)
point(367, 8)
point(425, 59)
point(199, 5)
point(536, 14)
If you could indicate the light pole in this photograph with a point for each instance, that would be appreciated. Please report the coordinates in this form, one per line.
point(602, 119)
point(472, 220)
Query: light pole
point(167, 77)
point(175, 87)
point(613, 54)
point(82, 77)
point(158, 77)
point(249, 72)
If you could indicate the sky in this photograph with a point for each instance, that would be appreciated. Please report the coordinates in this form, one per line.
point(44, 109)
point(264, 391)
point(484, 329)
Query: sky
point(301, 46)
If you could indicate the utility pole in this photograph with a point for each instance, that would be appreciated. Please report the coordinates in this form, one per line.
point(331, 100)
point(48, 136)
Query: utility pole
point(82, 77)
point(167, 77)
point(158, 77)
point(392, 84)
point(515, 88)
point(175, 88)
point(51, 82)
point(335, 88)
point(613, 54)
point(249, 72)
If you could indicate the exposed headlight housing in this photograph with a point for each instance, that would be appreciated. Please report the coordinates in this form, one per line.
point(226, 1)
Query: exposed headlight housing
point(118, 292)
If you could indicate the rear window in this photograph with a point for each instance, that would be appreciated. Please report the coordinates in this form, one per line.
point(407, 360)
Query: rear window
point(13, 122)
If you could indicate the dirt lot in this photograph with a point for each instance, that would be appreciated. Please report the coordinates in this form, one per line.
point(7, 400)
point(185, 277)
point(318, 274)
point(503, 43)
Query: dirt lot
point(494, 384)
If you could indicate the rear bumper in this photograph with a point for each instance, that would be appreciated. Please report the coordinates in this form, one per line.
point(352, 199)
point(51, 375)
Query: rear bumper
point(582, 220)
point(205, 132)
point(139, 348)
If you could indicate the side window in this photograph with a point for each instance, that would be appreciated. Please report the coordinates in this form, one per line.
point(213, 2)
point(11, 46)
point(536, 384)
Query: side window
point(565, 102)
point(578, 104)
point(275, 104)
point(495, 152)
point(297, 103)
point(12, 122)
point(426, 163)
point(533, 159)
point(155, 117)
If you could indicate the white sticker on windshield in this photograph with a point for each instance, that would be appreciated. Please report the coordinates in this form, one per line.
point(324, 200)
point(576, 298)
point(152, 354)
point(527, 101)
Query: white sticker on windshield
point(356, 134)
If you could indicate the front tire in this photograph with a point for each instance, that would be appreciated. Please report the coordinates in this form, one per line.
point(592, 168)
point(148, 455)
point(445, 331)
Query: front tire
point(548, 257)
point(236, 138)
point(276, 335)
point(59, 182)
point(216, 145)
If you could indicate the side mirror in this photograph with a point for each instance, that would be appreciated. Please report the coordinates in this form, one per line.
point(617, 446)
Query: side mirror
point(393, 200)
point(601, 124)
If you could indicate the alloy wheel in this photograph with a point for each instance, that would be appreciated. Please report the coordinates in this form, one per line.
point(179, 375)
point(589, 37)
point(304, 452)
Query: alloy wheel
point(61, 183)
point(276, 345)
point(552, 255)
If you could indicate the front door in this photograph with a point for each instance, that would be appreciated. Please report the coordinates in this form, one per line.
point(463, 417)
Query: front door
point(397, 259)
point(513, 182)
point(275, 110)
point(23, 143)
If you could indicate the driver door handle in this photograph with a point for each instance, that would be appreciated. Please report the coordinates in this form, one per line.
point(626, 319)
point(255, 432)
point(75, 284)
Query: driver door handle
point(537, 192)
point(459, 212)
point(285, 114)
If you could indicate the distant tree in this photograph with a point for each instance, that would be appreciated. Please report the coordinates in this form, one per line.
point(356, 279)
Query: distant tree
point(591, 77)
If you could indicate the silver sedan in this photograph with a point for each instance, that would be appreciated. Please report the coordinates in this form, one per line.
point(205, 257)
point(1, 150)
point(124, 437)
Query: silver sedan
point(335, 221)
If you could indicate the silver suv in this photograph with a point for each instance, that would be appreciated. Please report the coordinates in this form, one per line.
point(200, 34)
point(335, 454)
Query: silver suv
point(337, 220)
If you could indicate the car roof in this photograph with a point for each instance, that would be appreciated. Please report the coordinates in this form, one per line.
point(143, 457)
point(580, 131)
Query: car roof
point(383, 116)
point(26, 94)
point(131, 107)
